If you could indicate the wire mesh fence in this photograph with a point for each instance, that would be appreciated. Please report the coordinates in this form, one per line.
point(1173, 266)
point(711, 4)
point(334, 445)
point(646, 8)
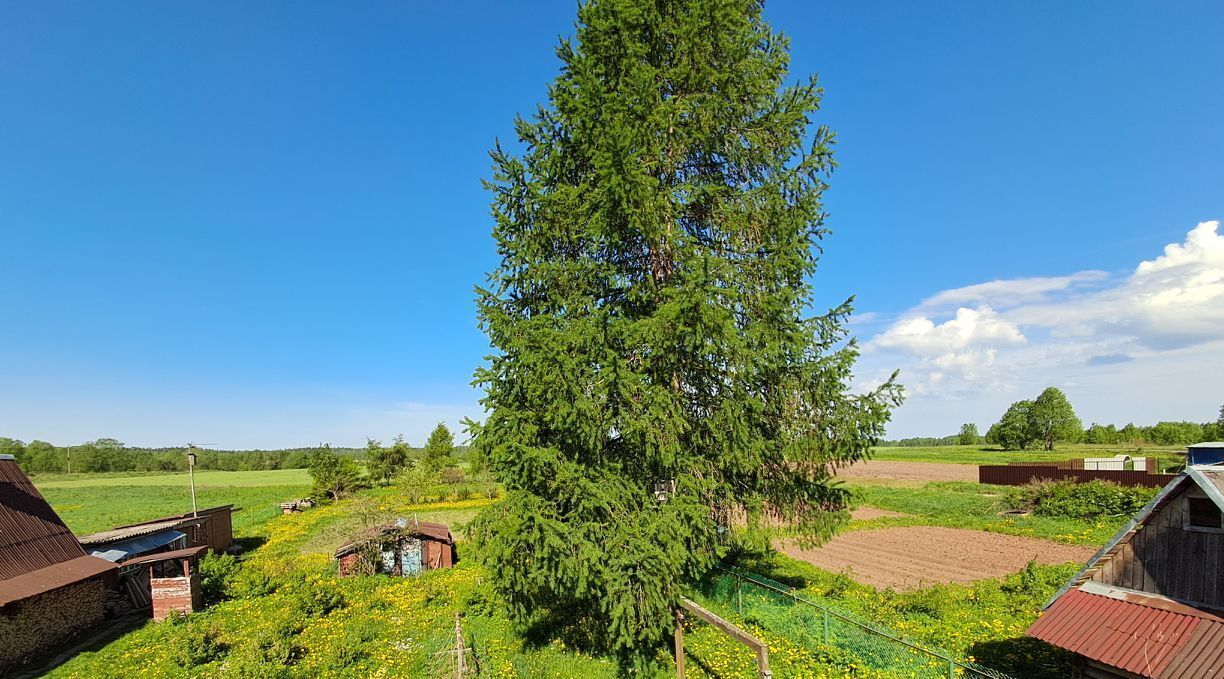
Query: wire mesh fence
point(784, 610)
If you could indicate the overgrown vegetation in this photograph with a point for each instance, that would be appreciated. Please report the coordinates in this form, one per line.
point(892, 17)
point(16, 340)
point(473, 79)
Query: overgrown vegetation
point(983, 622)
point(1090, 501)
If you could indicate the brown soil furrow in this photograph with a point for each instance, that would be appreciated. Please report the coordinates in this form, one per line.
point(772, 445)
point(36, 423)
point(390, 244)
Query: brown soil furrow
point(907, 558)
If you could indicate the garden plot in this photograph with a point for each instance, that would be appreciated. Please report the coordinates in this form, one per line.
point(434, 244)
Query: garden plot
point(917, 556)
point(907, 473)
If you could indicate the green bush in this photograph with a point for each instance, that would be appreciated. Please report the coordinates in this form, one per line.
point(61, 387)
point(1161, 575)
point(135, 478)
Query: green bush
point(1093, 500)
point(198, 643)
point(218, 573)
point(317, 599)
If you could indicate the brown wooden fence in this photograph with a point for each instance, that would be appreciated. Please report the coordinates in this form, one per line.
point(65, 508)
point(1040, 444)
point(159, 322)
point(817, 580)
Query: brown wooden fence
point(1018, 475)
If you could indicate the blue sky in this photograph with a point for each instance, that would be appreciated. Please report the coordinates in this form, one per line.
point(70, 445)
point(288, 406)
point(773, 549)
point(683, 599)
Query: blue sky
point(261, 225)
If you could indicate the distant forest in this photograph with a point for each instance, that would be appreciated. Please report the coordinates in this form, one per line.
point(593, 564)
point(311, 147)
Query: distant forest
point(1159, 434)
point(109, 455)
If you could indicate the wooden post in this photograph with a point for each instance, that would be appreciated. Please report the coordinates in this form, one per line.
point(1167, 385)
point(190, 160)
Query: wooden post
point(679, 644)
point(460, 670)
point(762, 651)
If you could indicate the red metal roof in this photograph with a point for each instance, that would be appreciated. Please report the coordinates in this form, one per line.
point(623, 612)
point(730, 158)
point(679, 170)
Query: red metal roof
point(433, 531)
point(32, 535)
point(1143, 634)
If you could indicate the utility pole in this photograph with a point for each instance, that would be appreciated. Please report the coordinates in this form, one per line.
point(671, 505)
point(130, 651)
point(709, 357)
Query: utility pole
point(191, 460)
point(69, 459)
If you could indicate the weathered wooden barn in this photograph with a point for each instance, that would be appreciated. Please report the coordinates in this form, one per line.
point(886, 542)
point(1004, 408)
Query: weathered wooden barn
point(401, 548)
point(211, 528)
point(50, 589)
point(1151, 602)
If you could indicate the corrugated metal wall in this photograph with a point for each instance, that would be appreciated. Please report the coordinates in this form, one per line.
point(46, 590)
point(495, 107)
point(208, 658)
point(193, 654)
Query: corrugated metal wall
point(1018, 475)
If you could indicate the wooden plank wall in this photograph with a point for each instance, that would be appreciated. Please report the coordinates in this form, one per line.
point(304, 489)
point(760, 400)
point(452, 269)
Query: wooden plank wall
point(1163, 558)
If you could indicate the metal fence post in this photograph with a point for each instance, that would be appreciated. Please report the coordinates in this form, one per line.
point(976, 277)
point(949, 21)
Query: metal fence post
point(826, 625)
point(739, 594)
point(951, 668)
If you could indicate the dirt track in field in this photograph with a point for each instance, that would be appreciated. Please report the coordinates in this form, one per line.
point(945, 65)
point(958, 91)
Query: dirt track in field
point(900, 473)
point(918, 556)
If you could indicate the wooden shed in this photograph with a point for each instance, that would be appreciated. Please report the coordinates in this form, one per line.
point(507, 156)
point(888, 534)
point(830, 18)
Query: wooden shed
point(50, 589)
point(1151, 602)
point(402, 548)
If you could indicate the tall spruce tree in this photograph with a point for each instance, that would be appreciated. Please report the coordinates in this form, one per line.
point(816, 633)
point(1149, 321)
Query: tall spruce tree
point(658, 368)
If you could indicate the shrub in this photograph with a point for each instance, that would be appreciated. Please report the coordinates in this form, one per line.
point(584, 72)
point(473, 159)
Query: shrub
point(198, 643)
point(218, 573)
point(452, 475)
point(316, 599)
point(1092, 500)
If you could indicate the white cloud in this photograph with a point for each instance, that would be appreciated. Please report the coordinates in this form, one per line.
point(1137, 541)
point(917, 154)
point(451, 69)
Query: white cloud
point(1000, 340)
point(970, 328)
point(1010, 293)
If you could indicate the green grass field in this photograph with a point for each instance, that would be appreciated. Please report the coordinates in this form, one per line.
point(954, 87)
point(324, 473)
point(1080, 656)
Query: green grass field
point(993, 455)
point(275, 477)
point(91, 503)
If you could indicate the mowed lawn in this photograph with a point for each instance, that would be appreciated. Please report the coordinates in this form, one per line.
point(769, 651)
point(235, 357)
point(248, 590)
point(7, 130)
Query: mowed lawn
point(93, 503)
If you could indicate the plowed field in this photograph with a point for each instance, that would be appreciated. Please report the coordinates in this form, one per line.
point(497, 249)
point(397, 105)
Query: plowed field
point(908, 473)
point(918, 556)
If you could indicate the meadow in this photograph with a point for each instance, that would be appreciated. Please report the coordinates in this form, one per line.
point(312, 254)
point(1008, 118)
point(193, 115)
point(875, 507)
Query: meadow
point(284, 612)
point(90, 503)
point(987, 454)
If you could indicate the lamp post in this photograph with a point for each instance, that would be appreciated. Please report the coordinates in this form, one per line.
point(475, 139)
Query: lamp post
point(191, 459)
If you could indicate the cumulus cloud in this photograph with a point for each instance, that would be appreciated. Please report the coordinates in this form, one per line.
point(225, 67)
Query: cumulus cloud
point(1003, 336)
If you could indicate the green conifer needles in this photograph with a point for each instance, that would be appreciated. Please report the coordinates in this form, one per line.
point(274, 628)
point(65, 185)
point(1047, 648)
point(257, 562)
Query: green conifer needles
point(658, 381)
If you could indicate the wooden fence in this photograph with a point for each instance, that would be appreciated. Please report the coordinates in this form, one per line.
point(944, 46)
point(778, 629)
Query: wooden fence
point(1021, 474)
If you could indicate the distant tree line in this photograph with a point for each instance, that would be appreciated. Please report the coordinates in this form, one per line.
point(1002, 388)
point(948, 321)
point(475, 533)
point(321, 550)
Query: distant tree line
point(109, 455)
point(1050, 419)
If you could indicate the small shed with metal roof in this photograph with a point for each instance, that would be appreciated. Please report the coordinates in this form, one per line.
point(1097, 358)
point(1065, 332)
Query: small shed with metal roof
point(1150, 603)
point(1206, 453)
point(405, 547)
point(50, 589)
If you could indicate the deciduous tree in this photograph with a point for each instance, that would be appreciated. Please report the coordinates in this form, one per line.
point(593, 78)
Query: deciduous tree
point(1053, 419)
point(1014, 429)
point(657, 366)
point(968, 435)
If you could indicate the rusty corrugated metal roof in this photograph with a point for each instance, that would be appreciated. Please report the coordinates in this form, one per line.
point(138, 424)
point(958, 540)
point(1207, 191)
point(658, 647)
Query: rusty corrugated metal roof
point(32, 535)
point(52, 577)
point(1138, 633)
point(117, 534)
point(434, 531)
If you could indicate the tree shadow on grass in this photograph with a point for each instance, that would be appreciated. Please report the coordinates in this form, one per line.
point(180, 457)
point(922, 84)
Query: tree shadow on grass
point(249, 544)
point(1025, 657)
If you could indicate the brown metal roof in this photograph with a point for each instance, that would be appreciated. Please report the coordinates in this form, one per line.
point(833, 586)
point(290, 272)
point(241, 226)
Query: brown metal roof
point(32, 535)
point(188, 553)
point(52, 577)
point(1202, 657)
point(1146, 635)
